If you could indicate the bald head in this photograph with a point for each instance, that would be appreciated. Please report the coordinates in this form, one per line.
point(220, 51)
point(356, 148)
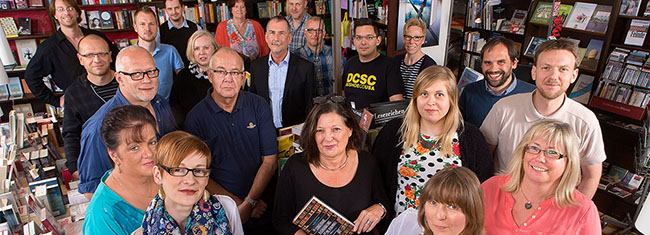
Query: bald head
point(92, 41)
point(131, 55)
point(226, 53)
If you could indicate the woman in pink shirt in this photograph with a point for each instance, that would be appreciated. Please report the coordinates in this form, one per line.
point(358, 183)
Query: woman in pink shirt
point(537, 193)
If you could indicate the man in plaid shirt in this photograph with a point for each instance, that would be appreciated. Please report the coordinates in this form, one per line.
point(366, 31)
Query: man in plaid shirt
point(297, 18)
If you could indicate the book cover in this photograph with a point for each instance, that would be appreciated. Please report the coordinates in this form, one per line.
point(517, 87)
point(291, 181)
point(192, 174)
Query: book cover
point(26, 50)
point(24, 26)
point(582, 89)
point(647, 10)
point(263, 10)
point(564, 12)
point(630, 7)
point(590, 60)
point(542, 14)
point(94, 22)
point(580, 15)
point(386, 111)
point(6, 4)
point(9, 26)
point(15, 88)
point(581, 54)
point(617, 173)
point(468, 76)
point(106, 19)
point(600, 20)
point(21, 4)
point(35, 3)
point(519, 16)
point(316, 217)
point(4, 92)
point(636, 34)
point(532, 46)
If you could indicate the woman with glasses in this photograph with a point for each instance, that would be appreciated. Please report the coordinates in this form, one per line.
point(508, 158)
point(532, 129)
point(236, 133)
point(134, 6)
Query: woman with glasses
point(119, 203)
point(244, 35)
point(537, 194)
point(431, 136)
point(183, 205)
point(414, 60)
point(331, 168)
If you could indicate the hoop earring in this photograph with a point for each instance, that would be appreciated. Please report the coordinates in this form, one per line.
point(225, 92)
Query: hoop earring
point(206, 195)
point(161, 194)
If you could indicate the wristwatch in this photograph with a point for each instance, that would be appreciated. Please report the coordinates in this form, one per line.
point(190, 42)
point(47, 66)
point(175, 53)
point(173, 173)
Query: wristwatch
point(251, 201)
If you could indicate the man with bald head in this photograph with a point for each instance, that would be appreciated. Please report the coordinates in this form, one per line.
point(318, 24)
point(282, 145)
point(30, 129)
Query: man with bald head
point(87, 93)
point(137, 77)
point(238, 128)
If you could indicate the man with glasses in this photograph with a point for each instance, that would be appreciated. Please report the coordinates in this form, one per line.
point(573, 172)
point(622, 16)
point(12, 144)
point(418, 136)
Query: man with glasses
point(297, 17)
point(168, 61)
point(137, 77)
point(320, 54)
point(284, 79)
point(86, 94)
point(238, 128)
point(370, 77)
point(498, 60)
point(554, 69)
point(57, 56)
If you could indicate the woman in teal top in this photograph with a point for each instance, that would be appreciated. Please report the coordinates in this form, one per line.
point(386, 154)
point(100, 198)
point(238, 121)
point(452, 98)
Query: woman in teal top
point(119, 203)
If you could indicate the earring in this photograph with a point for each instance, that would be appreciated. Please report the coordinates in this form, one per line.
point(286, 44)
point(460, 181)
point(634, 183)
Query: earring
point(206, 195)
point(161, 194)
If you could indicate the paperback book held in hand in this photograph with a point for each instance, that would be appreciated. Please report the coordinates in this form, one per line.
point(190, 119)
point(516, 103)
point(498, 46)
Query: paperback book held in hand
point(316, 217)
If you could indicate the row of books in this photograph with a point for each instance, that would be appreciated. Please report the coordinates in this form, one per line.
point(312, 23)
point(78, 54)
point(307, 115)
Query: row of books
point(473, 42)
point(583, 16)
point(620, 182)
point(19, 4)
point(15, 90)
point(490, 15)
point(623, 93)
point(104, 19)
point(105, 2)
point(357, 9)
point(269, 9)
point(13, 30)
point(472, 60)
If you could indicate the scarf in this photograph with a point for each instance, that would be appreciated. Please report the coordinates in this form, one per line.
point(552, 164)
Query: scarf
point(206, 218)
point(197, 71)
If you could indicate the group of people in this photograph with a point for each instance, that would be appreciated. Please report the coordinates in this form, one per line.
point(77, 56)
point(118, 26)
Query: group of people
point(138, 121)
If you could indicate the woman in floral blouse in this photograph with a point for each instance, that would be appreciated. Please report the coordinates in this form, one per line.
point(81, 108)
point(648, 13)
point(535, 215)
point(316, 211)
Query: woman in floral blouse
point(432, 136)
point(244, 35)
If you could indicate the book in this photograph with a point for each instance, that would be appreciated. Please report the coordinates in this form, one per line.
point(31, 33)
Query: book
point(385, 111)
point(316, 217)
point(469, 76)
point(616, 174)
point(581, 54)
point(532, 46)
point(21, 4)
point(636, 34)
point(15, 88)
point(542, 13)
point(630, 7)
point(35, 3)
point(106, 19)
point(4, 92)
point(84, 19)
point(592, 55)
point(24, 26)
point(26, 49)
point(9, 26)
point(600, 19)
point(582, 89)
point(6, 4)
point(94, 21)
point(564, 12)
point(580, 15)
point(647, 10)
point(263, 10)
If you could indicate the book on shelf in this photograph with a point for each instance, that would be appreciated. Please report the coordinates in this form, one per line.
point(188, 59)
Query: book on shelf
point(6, 4)
point(263, 10)
point(9, 26)
point(580, 15)
point(24, 26)
point(94, 21)
point(21, 4)
point(532, 46)
point(582, 89)
point(15, 88)
point(4, 92)
point(106, 18)
point(564, 12)
point(600, 19)
point(630, 7)
point(468, 76)
point(517, 22)
point(637, 32)
point(542, 13)
point(581, 54)
point(35, 3)
point(646, 13)
point(316, 217)
point(26, 50)
point(592, 54)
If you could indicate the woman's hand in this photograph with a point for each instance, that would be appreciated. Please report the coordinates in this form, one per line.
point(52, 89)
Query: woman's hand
point(368, 219)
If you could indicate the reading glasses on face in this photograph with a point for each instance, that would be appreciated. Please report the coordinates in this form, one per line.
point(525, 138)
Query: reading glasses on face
point(137, 76)
point(552, 154)
point(65, 9)
point(92, 55)
point(223, 73)
point(182, 171)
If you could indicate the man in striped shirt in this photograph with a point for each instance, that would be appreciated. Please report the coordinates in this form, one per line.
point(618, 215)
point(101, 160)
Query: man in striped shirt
point(86, 94)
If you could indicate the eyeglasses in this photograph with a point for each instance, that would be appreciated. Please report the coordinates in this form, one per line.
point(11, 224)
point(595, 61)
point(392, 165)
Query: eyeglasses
point(369, 37)
point(334, 98)
point(137, 76)
point(65, 9)
point(313, 30)
point(223, 73)
point(415, 38)
point(182, 171)
point(92, 55)
point(552, 154)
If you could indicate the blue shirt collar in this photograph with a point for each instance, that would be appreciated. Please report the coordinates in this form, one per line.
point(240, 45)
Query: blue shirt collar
point(184, 25)
point(510, 88)
point(154, 51)
point(284, 62)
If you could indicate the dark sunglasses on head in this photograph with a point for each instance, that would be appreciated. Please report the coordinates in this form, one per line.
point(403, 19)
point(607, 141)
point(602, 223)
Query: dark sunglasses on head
point(337, 99)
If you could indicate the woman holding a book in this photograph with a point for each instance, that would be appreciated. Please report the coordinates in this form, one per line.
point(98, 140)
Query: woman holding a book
point(333, 169)
point(183, 205)
point(244, 35)
point(431, 136)
point(537, 193)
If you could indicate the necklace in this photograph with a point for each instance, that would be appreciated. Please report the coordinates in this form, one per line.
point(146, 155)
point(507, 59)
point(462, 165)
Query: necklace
point(528, 203)
point(338, 168)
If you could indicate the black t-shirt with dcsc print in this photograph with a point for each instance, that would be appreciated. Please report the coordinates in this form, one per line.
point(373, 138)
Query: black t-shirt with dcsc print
point(371, 82)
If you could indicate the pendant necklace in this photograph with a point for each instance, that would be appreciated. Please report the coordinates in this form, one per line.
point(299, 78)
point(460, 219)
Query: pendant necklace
point(528, 203)
point(338, 168)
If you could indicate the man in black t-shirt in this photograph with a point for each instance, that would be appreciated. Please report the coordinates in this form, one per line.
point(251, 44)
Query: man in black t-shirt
point(370, 77)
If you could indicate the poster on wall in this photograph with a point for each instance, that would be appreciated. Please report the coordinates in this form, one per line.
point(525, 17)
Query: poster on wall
point(429, 11)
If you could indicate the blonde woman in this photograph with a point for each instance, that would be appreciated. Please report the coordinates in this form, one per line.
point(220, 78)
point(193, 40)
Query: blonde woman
point(414, 60)
point(432, 136)
point(537, 194)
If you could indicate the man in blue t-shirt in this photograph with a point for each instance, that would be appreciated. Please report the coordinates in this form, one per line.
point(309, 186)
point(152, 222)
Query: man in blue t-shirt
point(238, 128)
point(498, 59)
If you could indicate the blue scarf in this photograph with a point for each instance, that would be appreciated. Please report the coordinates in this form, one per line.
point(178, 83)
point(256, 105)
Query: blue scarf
point(206, 218)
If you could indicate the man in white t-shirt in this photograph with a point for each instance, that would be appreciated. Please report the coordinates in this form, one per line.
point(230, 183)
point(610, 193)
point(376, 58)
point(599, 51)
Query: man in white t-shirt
point(553, 71)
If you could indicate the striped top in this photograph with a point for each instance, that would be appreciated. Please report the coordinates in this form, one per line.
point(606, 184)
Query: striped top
point(106, 92)
point(409, 73)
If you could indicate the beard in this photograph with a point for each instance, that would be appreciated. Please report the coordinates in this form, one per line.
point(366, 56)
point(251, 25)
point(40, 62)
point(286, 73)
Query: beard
point(548, 95)
point(502, 80)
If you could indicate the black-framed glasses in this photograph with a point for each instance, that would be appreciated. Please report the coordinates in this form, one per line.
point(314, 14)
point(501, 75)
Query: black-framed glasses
point(334, 98)
point(182, 171)
point(137, 76)
point(222, 73)
point(367, 37)
point(415, 38)
point(92, 55)
point(549, 153)
point(314, 30)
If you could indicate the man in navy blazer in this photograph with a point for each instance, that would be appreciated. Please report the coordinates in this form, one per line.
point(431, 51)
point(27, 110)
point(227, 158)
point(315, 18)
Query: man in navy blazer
point(284, 79)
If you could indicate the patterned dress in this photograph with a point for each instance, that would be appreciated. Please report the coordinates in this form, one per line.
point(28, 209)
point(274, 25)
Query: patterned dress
point(245, 44)
point(416, 165)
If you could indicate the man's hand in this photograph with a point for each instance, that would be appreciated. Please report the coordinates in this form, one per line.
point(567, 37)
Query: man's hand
point(259, 209)
point(245, 210)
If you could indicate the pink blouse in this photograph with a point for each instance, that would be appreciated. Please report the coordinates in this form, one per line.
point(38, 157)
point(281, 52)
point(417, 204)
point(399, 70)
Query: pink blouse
point(546, 219)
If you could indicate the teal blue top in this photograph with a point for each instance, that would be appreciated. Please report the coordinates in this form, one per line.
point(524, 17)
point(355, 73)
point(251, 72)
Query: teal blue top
point(108, 213)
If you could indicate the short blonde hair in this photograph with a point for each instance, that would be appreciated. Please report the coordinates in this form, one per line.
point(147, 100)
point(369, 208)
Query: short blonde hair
point(175, 146)
point(457, 186)
point(410, 129)
point(196, 35)
point(557, 134)
point(414, 21)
